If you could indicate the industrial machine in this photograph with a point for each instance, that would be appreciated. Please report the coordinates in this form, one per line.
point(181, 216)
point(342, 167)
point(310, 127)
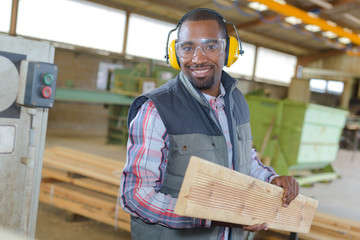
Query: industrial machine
point(27, 89)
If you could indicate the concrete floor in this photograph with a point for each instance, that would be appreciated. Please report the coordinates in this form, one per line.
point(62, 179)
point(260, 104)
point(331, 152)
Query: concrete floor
point(339, 197)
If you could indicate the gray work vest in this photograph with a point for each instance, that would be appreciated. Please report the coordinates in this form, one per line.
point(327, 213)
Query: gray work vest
point(194, 130)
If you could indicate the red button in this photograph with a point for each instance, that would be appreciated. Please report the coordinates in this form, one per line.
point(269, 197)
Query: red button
point(46, 92)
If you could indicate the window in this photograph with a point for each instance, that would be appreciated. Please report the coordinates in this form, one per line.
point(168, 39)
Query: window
point(245, 63)
point(335, 87)
point(5, 15)
point(275, 66)
point(147, 37)
point(323, 86)
point(74, 22)
point(318, 85)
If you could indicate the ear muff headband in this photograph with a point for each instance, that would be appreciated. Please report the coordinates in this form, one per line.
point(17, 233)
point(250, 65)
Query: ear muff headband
point(232, 50)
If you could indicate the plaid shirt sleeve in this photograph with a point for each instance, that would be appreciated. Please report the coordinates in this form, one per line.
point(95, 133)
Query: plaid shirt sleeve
point(143, 174)
point(259, 170)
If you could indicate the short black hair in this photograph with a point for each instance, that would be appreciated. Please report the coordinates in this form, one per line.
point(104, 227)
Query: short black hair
point(203, 14)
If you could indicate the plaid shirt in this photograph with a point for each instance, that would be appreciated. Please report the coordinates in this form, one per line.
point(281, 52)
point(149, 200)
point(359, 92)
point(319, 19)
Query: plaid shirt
point(143, 175)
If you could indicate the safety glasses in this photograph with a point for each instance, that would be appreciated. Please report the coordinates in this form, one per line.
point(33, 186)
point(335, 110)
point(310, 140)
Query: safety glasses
point(208, 46)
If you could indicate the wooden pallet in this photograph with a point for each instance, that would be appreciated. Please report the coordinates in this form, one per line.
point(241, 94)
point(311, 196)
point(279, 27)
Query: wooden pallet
point(213, 192)
point(84, 184)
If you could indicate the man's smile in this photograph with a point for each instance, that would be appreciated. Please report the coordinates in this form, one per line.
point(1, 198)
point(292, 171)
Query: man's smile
point(201, 72)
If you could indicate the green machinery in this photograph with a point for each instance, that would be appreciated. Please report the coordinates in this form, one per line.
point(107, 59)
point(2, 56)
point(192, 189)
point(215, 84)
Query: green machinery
point(132, 82)
point(298, 137)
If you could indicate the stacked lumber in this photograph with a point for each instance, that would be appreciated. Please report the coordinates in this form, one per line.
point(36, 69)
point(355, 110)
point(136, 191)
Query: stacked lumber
point(324, 227)
point(330, 227)
point(84, 184)
point(211, 191)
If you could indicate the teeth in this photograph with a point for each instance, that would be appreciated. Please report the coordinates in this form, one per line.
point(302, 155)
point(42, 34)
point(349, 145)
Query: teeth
point(201, 71)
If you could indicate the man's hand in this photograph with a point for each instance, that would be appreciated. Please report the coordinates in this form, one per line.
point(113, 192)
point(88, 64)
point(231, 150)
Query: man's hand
point(290, 186)
point(253, 228)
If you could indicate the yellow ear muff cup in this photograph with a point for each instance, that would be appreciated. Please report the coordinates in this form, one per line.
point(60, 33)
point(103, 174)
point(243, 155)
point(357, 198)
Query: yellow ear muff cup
point(172, 56)
point(233, 53)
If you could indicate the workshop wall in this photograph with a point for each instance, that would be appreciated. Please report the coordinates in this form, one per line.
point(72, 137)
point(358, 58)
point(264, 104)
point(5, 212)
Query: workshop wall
point(77, 70)
point(270, 90)
point(343, 63)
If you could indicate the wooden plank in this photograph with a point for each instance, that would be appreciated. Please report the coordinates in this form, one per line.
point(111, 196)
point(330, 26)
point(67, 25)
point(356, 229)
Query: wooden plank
point(92, 159)
point(329, 227)
point(85, 182)
point(210, 191)
point(339, 232)
point(83, 204)
point(334, 221)
point(81, 168)
point(94, 199)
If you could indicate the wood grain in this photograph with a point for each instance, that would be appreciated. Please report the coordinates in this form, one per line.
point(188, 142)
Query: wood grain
point(84, 184)
point(84, 203)
point(210, 191)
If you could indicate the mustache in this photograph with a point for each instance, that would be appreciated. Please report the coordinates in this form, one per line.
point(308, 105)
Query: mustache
point(200, 66)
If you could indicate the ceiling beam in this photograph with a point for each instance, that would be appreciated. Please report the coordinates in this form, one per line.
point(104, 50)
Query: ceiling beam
point(164, 13)
point(289, 10)
point(272, 43)
point(307, 59)
point(340, 2)
point(258, 22)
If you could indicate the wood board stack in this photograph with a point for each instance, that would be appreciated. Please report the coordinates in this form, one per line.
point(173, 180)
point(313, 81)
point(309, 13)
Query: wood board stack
point(324, 227)
point(84, 184)
point(329, 227)
point(214, 192)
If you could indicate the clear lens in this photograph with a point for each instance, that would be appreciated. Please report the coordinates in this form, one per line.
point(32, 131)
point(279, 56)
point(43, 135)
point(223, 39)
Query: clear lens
point(209, 47)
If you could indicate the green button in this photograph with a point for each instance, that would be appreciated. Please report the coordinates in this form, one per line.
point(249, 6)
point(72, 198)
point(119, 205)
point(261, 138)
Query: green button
point(48, 78)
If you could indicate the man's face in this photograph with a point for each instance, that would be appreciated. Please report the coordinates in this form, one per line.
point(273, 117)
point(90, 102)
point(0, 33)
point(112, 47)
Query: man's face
point(203, 71)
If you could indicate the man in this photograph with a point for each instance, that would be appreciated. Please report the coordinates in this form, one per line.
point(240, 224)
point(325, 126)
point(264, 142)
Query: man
point(200, 113)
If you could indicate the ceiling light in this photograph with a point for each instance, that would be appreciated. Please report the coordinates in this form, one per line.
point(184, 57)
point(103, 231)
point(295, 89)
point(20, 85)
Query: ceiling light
point(258, 6)
point(348, 30)
point(331, 23)
point(293, 20)
point(329, 34)
point(344, 40)
point(283, 2)
point(312, 28)
point(313, 15)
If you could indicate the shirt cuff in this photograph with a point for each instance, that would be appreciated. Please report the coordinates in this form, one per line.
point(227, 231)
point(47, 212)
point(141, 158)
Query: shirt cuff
point(271, 177)
point(205, 223)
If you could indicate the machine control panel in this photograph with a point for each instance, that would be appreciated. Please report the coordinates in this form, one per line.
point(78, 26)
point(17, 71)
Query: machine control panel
point(37, 85)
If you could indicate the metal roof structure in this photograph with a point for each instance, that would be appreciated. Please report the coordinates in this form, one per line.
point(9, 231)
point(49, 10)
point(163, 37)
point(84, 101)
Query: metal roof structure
point(337, 22)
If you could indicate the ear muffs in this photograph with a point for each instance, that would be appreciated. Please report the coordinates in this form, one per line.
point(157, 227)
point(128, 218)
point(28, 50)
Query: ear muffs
point(231, 51)
point(232, 44)
point(173, 59)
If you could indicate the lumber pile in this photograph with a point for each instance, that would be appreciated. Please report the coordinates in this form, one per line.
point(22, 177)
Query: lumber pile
point(84, 184)
point(329, 227)
point(324, 227)
point(214, 192)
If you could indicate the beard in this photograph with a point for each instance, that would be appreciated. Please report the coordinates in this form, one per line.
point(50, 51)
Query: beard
point(201, 83)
